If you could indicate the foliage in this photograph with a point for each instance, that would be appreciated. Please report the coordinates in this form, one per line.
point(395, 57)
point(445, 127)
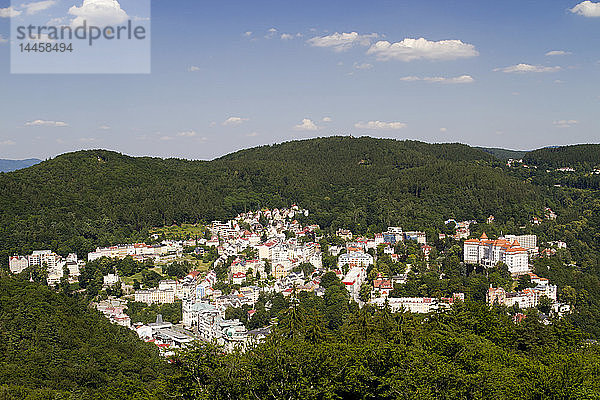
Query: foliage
point(471, 352)
point(142, 312)
point(577, 156)
point(51, 344)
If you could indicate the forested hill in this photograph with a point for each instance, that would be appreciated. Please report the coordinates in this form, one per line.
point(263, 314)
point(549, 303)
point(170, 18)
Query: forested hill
point(582, 156)
point(504, 154)
point(53, 346)
point(79, 200)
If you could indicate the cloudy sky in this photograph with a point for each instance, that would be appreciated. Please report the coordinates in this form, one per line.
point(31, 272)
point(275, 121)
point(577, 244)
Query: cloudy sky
point(236, 74)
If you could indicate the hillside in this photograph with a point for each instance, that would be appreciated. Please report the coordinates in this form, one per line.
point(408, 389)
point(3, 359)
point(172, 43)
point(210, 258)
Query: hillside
point(582, 155)
point(51, 344)
point(79, 200)
point(504, 154)
point(14, 165)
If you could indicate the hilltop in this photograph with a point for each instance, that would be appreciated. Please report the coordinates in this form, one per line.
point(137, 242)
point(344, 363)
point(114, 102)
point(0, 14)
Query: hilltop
point(581, 155)
point(79, 200)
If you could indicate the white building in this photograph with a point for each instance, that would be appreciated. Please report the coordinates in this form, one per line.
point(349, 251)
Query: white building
point(355, 259)
point(18, 264)
point(420, 305)
point(155, 296)
point(490, 252)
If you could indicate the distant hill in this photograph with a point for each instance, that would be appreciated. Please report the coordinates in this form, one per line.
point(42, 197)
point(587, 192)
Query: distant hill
point(79, 200)
point(53, 346)
point(14, 165)
point(581, 155)
point(504, 154)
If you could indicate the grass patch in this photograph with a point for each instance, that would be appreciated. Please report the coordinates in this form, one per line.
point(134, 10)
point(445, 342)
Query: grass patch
point(180, 232)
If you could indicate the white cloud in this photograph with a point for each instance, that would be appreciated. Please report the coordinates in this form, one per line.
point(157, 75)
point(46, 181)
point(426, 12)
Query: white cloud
point(104, 128)
point(526, 68)
point(9, 12)
point(41, 122)
point(440, 79)
point(98, 13)
point(327, 119)
point(252, 134)
point(3, 39)
point(271, 33)
point(363, 66)
point(443, 129)
point(189, 133)
point(379, 125)
point(193, 68)
point(234, 121)
point(565, 123)
point(165, 138)
point(422, 49)
point(35, 7)
point(248, 33)
point(286, 36)
point(587, 9)
point(558, 53)
point(342, 41)
point(62, 21)
point(7, 142)
point(307, 125)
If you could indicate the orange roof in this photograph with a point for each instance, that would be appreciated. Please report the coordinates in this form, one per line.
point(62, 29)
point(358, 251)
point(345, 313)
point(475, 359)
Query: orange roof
point(516, 243)
point(484, 236)
point(472, 241)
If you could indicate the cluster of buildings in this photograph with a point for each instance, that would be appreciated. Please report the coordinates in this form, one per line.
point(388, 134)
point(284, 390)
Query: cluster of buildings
point(114, 310)
point(529, 297)
point(272, 247)
point(55, 264)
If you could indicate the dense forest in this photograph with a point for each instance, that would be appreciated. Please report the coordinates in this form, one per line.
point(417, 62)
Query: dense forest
point(469, 352)
point(53, 346)
point(80, 200)
point(504, 154)
point(577, 156)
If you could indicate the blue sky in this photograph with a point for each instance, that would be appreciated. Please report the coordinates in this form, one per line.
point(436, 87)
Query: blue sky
point(228, 75)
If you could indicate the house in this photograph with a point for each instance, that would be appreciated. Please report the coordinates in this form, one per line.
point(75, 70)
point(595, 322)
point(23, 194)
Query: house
point(426, 249)
point(344, 234)
point(238, 278)
point(418, 237)
point(111, 280)
point(382, 286)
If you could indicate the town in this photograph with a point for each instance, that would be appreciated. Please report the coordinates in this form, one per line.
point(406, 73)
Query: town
point(226, 278)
